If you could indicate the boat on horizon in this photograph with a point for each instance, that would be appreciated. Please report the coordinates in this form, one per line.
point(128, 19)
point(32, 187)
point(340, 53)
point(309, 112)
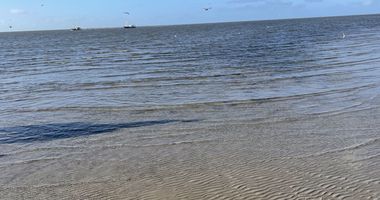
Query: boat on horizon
point(76, 28)
point(130, 26)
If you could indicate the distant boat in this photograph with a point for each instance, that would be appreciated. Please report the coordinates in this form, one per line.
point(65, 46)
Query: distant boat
point(76, 29)
point(130, 26)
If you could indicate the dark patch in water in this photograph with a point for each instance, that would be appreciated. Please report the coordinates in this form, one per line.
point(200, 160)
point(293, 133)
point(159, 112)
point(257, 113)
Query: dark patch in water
point(48, 132)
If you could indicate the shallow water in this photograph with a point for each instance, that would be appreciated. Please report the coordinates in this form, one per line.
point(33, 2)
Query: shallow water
point(282, 109)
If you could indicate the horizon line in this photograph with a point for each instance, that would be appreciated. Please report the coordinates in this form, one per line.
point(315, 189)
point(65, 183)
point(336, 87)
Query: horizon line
point(200, 23)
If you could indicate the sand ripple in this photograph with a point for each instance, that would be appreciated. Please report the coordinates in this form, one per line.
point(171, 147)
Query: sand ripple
point(290, 159)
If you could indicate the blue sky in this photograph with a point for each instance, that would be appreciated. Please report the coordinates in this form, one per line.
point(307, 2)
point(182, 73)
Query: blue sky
point(63, 14)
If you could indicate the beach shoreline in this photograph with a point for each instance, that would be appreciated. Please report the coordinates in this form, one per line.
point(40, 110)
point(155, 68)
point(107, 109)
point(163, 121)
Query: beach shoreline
point(328, 156)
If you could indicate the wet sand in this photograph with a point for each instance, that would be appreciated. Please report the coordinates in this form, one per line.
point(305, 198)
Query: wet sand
point(215, 151)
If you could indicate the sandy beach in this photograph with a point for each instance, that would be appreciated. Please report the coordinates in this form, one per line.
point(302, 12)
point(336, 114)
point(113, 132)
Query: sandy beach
point(207, 155)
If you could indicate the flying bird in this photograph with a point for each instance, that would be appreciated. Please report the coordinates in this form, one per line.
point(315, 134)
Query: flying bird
point(207, 9)
point(127, 13)
point(10, 27)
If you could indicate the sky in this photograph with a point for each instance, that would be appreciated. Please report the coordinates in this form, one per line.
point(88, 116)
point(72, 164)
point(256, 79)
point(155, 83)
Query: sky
point(63, 14)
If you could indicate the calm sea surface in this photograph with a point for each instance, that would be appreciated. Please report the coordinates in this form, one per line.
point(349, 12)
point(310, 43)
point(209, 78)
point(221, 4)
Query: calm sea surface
point(105, 75)
point(284, 109)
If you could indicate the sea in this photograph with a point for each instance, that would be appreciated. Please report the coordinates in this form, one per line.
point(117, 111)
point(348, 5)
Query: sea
point(281, 109)
point(62, 82)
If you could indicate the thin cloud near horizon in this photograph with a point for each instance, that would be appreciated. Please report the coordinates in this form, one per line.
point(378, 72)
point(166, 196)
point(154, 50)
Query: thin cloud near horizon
point(16, 11)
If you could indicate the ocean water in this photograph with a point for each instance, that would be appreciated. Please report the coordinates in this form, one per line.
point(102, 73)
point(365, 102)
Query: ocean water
point(107, 76)
point(285, 109)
